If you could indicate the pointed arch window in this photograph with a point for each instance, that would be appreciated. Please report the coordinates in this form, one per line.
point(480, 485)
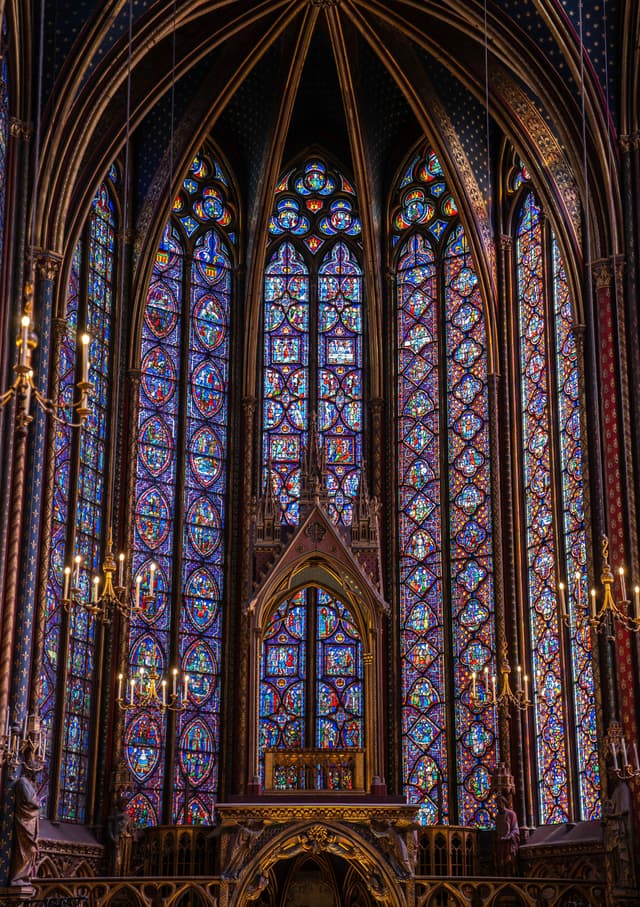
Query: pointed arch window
point(555, 541)
point(311, 684)
point(181, 481)
point(313, 336)
point(444, 502)
point(67, 687)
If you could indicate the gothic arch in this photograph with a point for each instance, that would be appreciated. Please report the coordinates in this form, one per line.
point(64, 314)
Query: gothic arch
point(326, 838)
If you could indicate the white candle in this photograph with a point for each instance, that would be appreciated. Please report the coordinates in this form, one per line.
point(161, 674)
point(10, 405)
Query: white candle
point(96, 583)
point(486, 680)
point(164, 692)
point(174, 683)
point(518, 679)
point(85, 357)
point(24, 727)
point(25, 324)
point(6, 725)
point(138, 582)
point(186, 688)
point(132, 685)
point(623, 744)
point(526, 688)
point(636, 601)
point(473, 684)
point(563, 602)
point(614, 754)
point(493, 688)
point(67, 581)
point(76, 579)
point(594, 613)
point(623, 588)
point(578, 586)
point(635, 757)
point(121, 570)
point(152, 578)
point(119, 687)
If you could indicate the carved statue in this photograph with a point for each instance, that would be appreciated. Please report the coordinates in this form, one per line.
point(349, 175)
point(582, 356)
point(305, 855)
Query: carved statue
point(507, 837)
point(393, 844)
point(118, 830)
point(617, 835)
point(239, 845)
point(26, 822)
point(256, 886)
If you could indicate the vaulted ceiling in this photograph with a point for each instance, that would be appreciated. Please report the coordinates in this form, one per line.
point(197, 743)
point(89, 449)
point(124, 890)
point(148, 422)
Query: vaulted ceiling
point(365, 79)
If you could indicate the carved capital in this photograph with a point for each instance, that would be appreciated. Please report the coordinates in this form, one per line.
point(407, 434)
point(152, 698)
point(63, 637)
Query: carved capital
point(249, 406)
point(607, 271)
point(630, 142)
point(47, 263)
point(134, 376)
point(18, 129)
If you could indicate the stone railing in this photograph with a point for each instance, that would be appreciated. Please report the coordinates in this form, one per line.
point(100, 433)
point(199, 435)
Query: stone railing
point(311, 770)
point(208, 892)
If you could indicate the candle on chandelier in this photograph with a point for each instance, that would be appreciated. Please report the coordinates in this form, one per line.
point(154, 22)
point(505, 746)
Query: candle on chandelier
point(67, 582)
point(25, 324)
point(493, 688)
point(96, 583)
point(623, 588)
point(594, 612)
point(636, 602)
point(473, 684)
point(186, 689)
point(486, 679)
point(623, 745)
point(164, 692)
point(121, 570)
point(85, 339)
point(7, 725)
point(635, 757)
point(578, 586)
point(518, 679)
point(152, 578)
point(76, 579)
point(614, 755)
point(132, 686)
point(120, 678)
point(526, 687)
point(138, 583)
point(563, 601)
point(174, 690)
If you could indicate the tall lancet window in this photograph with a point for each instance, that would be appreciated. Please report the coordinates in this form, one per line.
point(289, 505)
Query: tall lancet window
point(179, 518)
point(444, 503)
point(555, 543)
point(67, 688)
point(313, 344)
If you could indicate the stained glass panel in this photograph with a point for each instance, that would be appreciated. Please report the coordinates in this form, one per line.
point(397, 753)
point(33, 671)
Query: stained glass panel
point(470, 554)
point(551, 731)
point(180, 495)
point(339, 720)
point(424, 749)
point(286, 374)
point(203, 551)
point(54, 613)
point(340, 377)
point(312, 336)
point(571, 460)
point(155, 507)
point(444, 516)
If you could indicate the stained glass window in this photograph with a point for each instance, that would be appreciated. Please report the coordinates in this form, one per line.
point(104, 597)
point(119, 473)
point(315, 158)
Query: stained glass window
point(548, 366)
point(78, 501)
point(180, 499)
point(313, 328)
point(4, 140)
point(444, 503)
point(312, 628)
